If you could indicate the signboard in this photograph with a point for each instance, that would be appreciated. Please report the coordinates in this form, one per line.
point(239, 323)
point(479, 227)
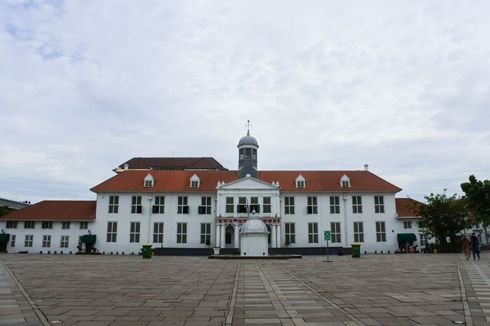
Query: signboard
point(326, 235)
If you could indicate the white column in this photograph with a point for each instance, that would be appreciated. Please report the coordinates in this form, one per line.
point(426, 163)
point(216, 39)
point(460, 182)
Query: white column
point(237, 236)
point(218, 235)
point(223, 244)
point(278, 235)
point(149, 240)
point(273, 236)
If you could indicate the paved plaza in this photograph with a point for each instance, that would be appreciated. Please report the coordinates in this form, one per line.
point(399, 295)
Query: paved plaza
point(384, 289)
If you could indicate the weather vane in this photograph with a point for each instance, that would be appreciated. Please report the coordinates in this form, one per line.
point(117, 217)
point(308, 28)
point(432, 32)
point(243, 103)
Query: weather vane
point(248, 125)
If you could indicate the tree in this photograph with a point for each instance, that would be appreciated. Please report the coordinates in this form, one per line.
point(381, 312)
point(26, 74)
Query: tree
point(478, 200)
point(443, 217)
point(4, 210)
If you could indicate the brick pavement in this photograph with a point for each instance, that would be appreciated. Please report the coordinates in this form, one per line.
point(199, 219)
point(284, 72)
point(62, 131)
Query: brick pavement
point(127, 290)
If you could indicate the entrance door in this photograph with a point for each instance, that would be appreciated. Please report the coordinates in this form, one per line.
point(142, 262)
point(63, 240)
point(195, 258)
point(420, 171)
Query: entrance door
point(229, 237)
point(269, 236)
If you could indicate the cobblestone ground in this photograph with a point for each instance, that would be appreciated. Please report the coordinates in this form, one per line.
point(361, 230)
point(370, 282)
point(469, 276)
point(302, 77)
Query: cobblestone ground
point(128, 290)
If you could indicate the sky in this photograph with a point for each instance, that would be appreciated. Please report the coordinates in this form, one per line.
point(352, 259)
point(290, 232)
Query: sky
point(403, 86)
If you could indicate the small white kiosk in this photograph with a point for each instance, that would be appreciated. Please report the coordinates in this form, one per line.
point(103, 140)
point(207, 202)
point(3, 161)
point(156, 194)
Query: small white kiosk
point(253, 236)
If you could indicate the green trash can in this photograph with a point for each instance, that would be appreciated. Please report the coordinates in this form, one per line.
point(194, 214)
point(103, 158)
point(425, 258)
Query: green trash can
point(146, 251)
point(356, 250)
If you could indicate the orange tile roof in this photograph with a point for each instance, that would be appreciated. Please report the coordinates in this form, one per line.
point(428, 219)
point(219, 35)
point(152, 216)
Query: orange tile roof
point(405, 207)
point(55, 210)
point(178, 181)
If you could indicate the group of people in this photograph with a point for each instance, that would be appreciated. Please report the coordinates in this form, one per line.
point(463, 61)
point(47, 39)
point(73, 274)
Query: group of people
point(471, 245)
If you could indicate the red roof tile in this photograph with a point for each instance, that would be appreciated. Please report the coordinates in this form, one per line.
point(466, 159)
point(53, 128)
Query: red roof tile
point(55, 210)
point(405, 207)
point(178, 181)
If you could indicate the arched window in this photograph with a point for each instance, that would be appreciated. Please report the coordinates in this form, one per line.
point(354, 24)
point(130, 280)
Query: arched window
point(300, 182)
point(345, 181)
point(149, 180)
point(194, 181)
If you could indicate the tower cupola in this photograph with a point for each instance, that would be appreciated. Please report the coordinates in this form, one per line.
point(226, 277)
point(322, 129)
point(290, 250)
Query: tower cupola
point(247, 155)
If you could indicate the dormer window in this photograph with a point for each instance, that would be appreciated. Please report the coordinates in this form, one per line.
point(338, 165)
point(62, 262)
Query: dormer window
point(345, 181)
point(148, 183)
point(195, 181)
point(300, 182)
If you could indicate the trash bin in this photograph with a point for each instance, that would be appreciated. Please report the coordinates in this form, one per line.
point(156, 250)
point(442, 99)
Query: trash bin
point(146, 251)
point(356, 250)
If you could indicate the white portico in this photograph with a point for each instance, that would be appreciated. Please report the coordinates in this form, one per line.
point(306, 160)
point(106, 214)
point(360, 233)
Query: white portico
point(237, 200)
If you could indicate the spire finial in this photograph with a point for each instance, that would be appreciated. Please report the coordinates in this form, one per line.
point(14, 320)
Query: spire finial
point(248, 127)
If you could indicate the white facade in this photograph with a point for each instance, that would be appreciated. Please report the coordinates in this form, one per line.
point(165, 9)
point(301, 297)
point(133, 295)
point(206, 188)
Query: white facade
point(44, 240)
point(183, 210)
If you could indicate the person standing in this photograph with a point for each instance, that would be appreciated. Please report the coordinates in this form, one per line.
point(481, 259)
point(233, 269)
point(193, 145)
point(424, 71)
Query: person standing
point(475, 246)
point(466, 247)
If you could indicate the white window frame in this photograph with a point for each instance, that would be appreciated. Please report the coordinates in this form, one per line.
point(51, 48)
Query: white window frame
point(289, 205)
point(134, 232)
point(111, 231)
point(181, 232)
point(83, 225)
point(46, 241)
point(358, 228)
point(136, 206)
point(11, 225)
point(113, 204)
point(379, 205)
point(357, 204)
point(194, 181)
point(230, 205)
point(29, 224)
point(312, 205)
point(28, 240)
point(266, 205)
point(334, 205)
point(380, 231)
point(407, 224)
point(47, 225)
point(65, 225)
point(206, 233)
point(64, 241)
point(12, 240)
point(313, 232)
point(289, 233)
point(159, 207)
point(335, 232)
point(182, 203)
point(158, 230)
point(206, 205)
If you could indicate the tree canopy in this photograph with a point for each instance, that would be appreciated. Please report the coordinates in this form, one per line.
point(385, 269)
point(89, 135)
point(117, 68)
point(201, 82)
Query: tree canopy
point(478, 199)
point(443, 217)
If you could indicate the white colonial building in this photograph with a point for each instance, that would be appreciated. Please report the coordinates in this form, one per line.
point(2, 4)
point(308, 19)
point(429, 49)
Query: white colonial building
point(190, 205)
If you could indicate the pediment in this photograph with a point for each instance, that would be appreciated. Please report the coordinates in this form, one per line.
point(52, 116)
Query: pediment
point(248, 183)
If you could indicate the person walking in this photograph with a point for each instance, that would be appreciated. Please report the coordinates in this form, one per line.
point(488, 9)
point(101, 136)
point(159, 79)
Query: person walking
point(466, 247)
point(475, 246)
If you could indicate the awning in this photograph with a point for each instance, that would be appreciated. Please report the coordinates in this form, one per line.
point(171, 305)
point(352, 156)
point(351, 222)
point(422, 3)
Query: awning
point(406, 237)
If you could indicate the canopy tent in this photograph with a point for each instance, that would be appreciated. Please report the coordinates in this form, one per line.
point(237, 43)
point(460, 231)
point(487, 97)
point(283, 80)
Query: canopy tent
point(406, 238)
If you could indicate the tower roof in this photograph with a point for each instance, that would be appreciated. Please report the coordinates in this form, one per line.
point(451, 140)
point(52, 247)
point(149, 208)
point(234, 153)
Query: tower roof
point(248, 140)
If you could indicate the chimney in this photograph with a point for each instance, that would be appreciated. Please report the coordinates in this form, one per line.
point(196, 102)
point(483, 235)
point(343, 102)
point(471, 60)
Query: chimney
point(126, 166)
point(366, 167)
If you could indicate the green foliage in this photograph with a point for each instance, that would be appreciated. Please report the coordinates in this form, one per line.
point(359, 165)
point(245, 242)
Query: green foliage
point(477, 199)
point(443, 217)
point(4, 210)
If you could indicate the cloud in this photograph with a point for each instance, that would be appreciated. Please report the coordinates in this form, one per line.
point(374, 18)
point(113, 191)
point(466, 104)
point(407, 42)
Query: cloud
point(86, 85)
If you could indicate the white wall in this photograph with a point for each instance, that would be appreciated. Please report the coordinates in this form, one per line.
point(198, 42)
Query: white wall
point(170, 218)
point(74, 232)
